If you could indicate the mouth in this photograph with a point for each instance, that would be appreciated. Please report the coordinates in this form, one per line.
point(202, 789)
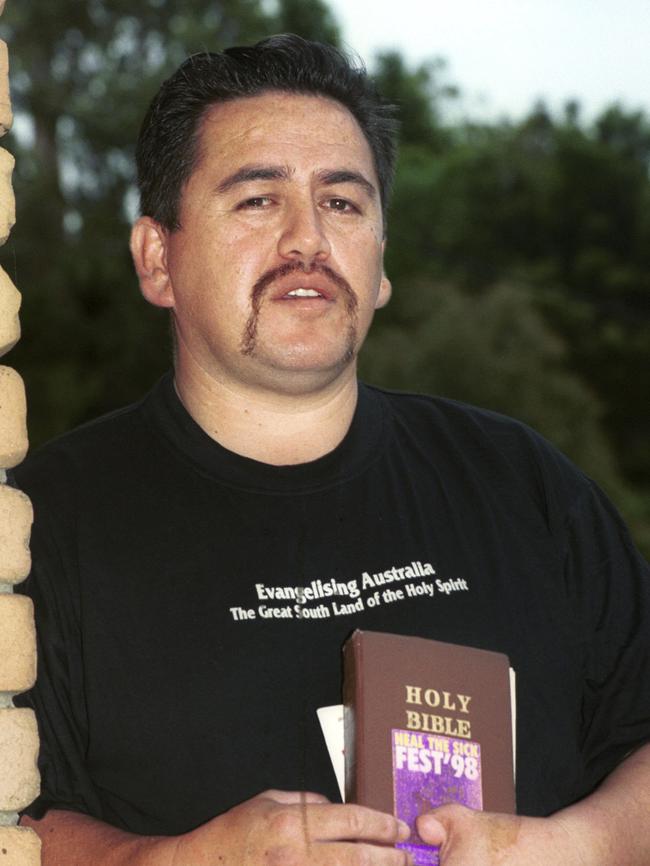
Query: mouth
point(301, 292)
point(304, 287)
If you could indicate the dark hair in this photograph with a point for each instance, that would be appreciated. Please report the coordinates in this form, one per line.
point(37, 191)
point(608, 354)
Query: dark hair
point(167, 149)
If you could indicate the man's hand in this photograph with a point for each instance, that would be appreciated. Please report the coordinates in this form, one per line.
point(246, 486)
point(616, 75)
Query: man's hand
point(279, 828)
point(609, 826)
point(470, 838)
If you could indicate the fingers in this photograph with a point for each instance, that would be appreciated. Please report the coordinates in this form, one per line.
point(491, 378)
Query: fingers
point(292, 797)
point(325, 821)
point(350, 854)
point(334, 822)
point(290, 828)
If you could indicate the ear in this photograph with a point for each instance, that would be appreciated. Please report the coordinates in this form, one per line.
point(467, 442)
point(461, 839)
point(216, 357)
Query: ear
point(385, 287)
point(149, 250)
point(385, 291)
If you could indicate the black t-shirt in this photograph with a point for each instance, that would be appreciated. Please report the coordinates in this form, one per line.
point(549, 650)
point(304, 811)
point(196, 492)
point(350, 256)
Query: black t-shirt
point(192, 603)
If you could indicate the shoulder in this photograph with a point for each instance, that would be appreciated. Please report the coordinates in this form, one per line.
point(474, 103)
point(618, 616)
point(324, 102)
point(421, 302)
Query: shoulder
point(471, 427)
point(87, 455)
point(502, 454)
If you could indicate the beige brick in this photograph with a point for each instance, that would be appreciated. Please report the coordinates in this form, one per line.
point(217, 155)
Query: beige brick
point(9, 321)
point(7, 200)
point(13, 418)
point(17, 644)
point(6, 115)
point(19, 779)
point(16, 516)
point(19, 846)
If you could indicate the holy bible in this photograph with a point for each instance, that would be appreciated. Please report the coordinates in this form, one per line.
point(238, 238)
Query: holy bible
point(426, 723)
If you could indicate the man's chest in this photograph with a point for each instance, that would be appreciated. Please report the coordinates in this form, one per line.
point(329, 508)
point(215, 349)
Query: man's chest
point(230, 616)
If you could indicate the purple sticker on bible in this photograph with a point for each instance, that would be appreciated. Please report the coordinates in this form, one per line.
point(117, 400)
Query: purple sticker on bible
point(428, 771)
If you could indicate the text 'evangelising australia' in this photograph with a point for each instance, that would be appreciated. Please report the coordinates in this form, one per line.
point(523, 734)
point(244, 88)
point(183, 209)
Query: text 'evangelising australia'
point(321, 599)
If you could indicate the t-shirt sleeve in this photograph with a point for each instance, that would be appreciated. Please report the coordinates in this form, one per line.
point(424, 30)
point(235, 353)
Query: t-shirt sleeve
point(612, 585)
point(58, 696)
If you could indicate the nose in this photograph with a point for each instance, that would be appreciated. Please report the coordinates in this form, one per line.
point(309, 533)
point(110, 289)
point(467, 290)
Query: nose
point(303, 235)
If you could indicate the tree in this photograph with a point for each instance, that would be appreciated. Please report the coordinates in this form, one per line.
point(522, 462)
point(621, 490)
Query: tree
point(311, 20)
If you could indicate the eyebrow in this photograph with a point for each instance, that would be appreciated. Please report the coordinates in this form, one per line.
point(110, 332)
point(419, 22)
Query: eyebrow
point(344, 175)
point(328, 177)
point(254, 172)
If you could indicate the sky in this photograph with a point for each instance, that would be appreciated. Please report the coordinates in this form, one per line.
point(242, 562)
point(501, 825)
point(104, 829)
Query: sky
point(506, 54)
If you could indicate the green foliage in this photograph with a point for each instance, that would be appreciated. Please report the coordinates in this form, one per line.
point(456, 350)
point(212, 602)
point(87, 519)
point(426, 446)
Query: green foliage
point(312, 20)
point(418, 95)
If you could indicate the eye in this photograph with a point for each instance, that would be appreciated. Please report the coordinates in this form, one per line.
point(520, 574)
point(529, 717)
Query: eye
point(256, 203)
point(342, 205)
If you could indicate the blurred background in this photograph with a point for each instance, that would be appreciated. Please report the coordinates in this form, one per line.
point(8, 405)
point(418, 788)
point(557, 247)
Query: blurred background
point(519, 233)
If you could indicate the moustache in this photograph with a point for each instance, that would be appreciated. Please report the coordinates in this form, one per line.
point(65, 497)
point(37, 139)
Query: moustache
point(270, 276)
point(284, 270)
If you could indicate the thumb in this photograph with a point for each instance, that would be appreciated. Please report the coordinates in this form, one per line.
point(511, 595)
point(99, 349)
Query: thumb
point(431, 830)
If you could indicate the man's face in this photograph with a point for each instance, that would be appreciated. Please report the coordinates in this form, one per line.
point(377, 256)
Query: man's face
point(276, 270)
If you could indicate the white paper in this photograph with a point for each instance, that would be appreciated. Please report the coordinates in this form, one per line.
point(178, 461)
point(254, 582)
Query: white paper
point(331, 722)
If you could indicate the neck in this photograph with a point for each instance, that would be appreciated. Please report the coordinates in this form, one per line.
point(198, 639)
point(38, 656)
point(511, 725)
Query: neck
point(271, 427)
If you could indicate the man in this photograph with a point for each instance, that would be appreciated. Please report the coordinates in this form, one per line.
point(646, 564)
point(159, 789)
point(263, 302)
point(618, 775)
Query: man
point(199, 556)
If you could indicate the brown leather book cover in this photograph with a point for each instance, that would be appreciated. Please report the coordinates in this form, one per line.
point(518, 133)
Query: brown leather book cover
point(426, 723)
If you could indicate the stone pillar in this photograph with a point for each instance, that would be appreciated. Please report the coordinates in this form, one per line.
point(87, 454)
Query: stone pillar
point(19, 781)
